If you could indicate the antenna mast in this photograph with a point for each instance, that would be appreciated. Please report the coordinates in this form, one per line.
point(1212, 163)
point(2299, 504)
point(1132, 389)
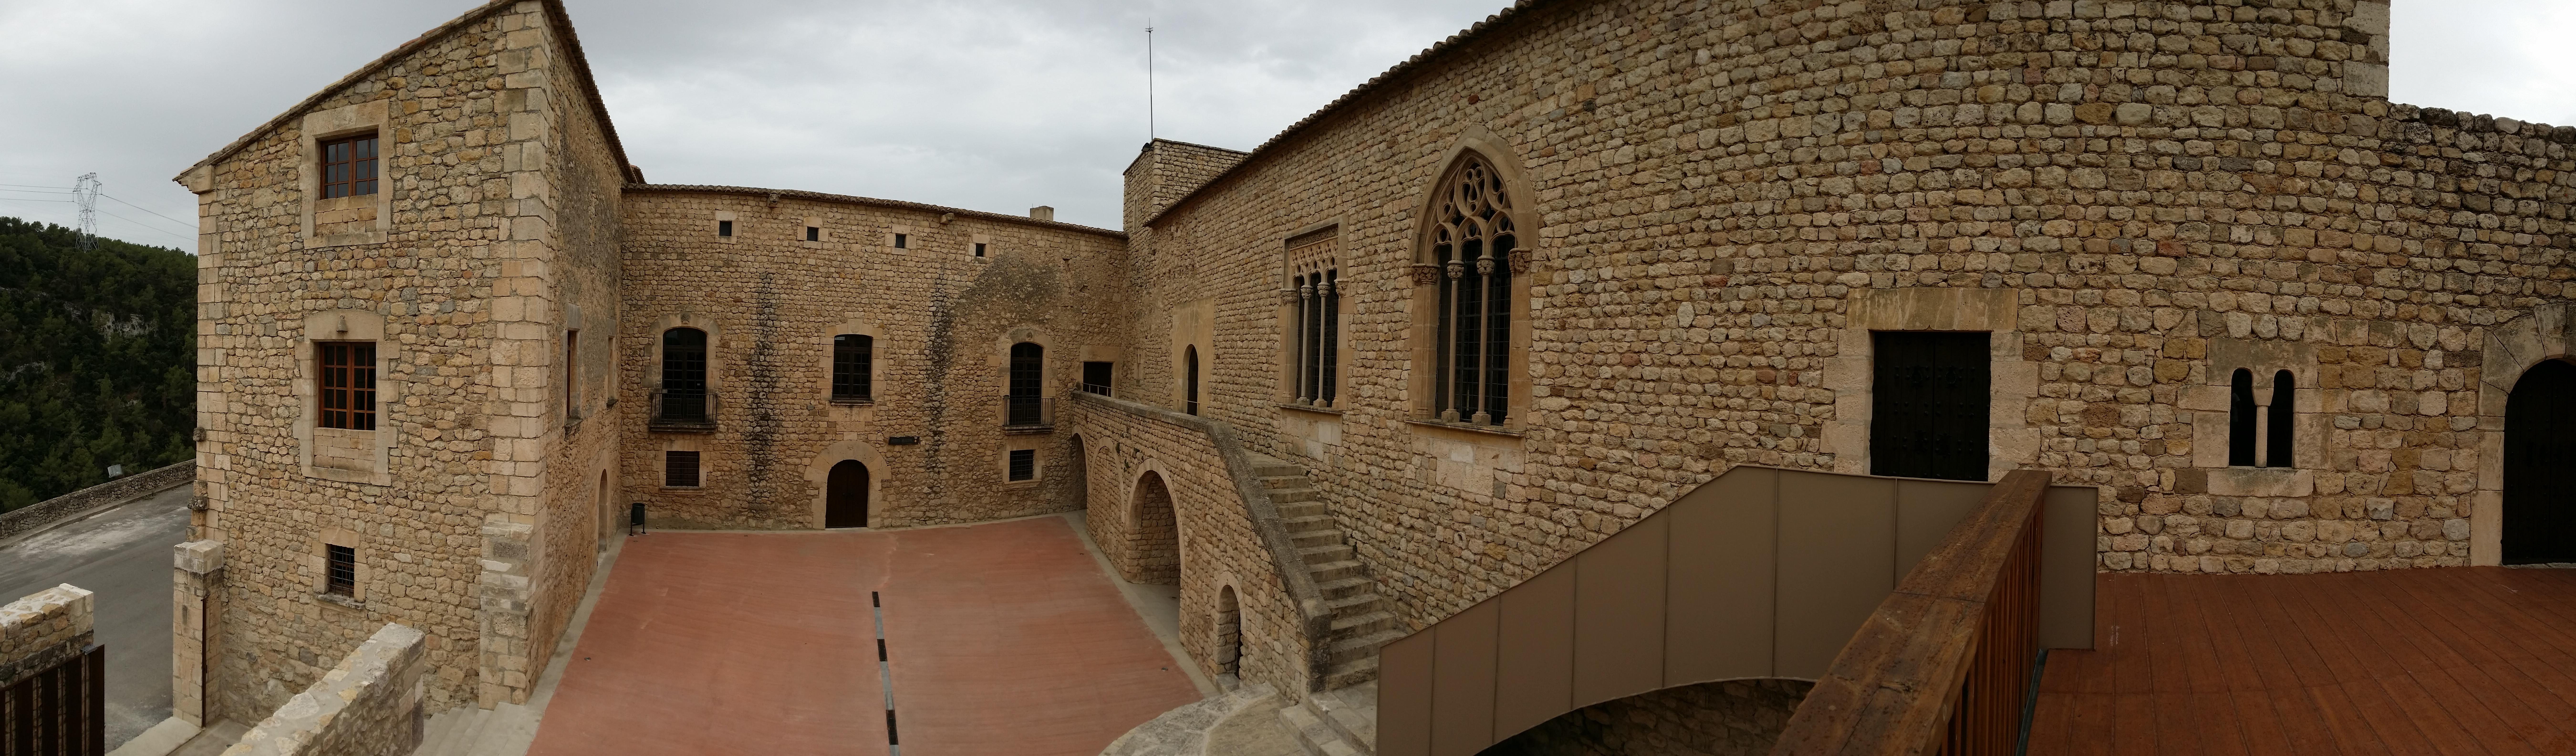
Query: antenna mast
point(1149, 78)
point(85, 194)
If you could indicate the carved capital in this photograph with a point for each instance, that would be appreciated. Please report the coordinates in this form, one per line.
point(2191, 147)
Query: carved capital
point(1520, 259)
point(1425, 274)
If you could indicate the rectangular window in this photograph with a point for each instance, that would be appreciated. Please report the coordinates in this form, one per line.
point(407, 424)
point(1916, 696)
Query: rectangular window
point(572, 374)
point(680, 469)
point(724, 228)
point(349, 167)
point(902, 241)
point(853, 357)
point(1096, 375)
point(1319, 327)
point(813, 234)
point(1024, 464)
point(1929, 415)
point(979, 249)
point(348, 373)
point(342, 577)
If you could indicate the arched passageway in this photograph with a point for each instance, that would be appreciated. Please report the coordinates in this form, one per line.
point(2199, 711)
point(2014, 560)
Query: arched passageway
point(1730, 717)
point(1155, 539)
point(2540, 466)
point(845, 498)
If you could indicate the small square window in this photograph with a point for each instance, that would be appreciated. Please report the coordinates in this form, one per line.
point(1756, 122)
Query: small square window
point(1024, 464)
point(902, 241)
point(724, 228)
point(979, 249)
point(342, 579)
point(680, 469)
point(1096, 375)
point(813, 234)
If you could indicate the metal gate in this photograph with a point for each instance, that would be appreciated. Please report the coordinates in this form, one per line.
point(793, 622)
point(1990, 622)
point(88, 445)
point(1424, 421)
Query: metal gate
point(61, 711)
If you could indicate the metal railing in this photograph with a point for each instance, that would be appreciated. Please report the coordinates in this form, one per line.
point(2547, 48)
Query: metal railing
point(683, 409)
point(59, 711)
point(1028, 412)
point(1943, 666)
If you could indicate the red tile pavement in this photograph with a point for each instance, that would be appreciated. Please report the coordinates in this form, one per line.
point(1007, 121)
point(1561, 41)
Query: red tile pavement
point(1004, 638)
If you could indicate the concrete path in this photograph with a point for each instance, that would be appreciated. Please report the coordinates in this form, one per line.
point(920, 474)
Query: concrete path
point(1001, 638)
point(123, 556)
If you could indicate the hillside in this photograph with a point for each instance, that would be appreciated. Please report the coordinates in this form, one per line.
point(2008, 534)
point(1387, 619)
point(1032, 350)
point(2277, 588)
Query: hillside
point(95, 355)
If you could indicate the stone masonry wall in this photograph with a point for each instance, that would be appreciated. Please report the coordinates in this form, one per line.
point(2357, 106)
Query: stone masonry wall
point(943, 322)
point(1713, 183)
point(367, 705)
point(43, 629)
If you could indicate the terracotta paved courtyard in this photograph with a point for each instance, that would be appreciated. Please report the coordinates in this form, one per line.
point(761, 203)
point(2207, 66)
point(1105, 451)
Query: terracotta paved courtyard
point(1004, 638)
point(2452, 660)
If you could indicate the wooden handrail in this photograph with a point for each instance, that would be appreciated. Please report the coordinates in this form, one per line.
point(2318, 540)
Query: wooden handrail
point(1942, 666)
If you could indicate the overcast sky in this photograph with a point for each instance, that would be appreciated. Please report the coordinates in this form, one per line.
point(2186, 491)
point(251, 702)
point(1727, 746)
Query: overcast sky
point(993, 106)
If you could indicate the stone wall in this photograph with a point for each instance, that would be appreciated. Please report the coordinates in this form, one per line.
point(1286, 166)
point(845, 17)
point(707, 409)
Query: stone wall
point(943, 322)
point(44, 629)
point(1732, 718)
point(1714, 185)
point(35, 516)
point(367, 705)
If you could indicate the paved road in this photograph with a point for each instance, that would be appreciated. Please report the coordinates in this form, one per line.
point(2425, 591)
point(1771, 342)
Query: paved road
point(123, 556)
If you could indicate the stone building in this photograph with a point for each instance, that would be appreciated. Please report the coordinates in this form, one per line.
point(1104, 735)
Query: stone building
point(1482, 312)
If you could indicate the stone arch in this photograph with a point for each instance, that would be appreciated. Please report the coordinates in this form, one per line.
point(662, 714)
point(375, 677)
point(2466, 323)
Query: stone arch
point(1077, 486)
point(1153, 530)
point(1475, 149)
point(818, 472)
point(2510, 349)
point(2539, 523)
point(1743, 715)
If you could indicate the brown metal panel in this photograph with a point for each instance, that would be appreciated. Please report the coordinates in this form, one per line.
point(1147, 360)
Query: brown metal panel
point(1534, 660)
point(1619, 614)
point(1462, 695)
point(1404, 695)
point(1837, 560)
point(1718, 622)
point(2067, 522)
point(1925, 512)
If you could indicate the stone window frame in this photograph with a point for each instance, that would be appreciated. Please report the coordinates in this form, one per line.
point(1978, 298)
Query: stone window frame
point(716, 227)
point(1193, 325)
point(911, 238)
point(2511, 348)
point(822, 232)
point(1527, 237)
point(317, 566)
point(662, 463)
point(2208, 398)
point(345, 325)
point(854, 324)
point(980, 240)
point(1036, 446)
point(340, 123)
point(652, 378)
point(818, 471)
point(2011, 441)
point(1298, 257)
point(1001, 364)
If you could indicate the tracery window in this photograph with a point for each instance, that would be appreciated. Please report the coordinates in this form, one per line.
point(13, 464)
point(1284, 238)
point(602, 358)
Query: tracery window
point(1475, 251)
point(1315, 303)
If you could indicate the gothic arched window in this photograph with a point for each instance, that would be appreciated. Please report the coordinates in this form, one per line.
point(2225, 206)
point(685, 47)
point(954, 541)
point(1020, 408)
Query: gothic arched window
point(1475, 248)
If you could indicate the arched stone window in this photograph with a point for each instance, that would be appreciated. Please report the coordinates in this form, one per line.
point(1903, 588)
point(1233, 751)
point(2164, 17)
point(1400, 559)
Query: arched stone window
point(684, 376)
point(2283, 421)
point(2240, 419)
point(1475, 245)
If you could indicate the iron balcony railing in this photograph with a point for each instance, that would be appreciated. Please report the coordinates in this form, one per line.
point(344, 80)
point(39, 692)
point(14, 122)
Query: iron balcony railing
point(1028, 412)
point(683, 409)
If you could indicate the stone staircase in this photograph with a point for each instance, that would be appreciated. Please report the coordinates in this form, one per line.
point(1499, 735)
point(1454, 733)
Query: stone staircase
point(506, 730)
point(1342, 720)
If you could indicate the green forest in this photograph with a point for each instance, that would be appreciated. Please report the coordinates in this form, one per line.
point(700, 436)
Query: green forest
point(95, 353)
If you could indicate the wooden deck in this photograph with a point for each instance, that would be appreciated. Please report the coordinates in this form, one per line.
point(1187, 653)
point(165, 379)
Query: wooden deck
point(2477, 660)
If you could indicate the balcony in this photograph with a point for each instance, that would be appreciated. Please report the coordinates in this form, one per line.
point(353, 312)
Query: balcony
point(1028, 414)
point(683, 412)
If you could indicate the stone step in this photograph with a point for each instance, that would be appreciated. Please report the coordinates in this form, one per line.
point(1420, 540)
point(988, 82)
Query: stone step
point(1283, 481)
point(1361, 603)
point(1314, 736)
point(1264, 466)
point(1307, 508)
point(1363, 624)
point(1316, 538)
point(1308, 523)
point(1344, 588)
point(1354, 672)
point(1294, 495)
point(1333, 570)
point(1351, 712)
point(1328, 553)
point(1363, 647)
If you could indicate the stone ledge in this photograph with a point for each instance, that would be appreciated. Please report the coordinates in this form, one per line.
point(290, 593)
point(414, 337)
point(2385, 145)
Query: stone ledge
point(368, 705)
point(32, 517)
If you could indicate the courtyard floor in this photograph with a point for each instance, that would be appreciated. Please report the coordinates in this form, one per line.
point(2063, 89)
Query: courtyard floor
point(1000, 638)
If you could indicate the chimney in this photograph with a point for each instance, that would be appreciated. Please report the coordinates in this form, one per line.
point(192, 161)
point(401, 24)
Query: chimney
point(1042, 212)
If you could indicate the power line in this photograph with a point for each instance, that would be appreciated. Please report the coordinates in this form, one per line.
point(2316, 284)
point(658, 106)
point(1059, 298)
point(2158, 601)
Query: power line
point(140, 224)
point(149, 210)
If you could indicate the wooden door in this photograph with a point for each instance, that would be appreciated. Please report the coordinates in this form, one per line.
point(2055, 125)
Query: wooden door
point(1932, 391)
point(845, 498)
point(2540, 466)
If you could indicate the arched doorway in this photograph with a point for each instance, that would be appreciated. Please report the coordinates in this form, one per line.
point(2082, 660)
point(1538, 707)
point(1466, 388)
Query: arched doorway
point(2540, 466)
point(845, 498)
point(607, 516)
point(1155, 540)
point(1229, 637)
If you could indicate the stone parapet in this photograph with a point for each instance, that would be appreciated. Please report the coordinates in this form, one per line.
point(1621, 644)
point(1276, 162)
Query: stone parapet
point(369, 705)
point(43, 629)
point(28, 519)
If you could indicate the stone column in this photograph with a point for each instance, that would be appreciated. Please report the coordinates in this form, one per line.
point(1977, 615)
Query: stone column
point(502, 596)
point(198, 568)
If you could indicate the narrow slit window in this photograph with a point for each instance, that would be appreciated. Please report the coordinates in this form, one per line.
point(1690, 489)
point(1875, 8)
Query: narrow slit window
point(2284, 420)
point(1190, 391)
point(342, 579)
point(853, 357)
point(348, 371)
point(349, 167)
point(572, 374)
point(2240, 419)
point(979, 249)
point(680, 469)
point(724, 228)
point(1024, 464)
point(813, 234)
point(902, 241)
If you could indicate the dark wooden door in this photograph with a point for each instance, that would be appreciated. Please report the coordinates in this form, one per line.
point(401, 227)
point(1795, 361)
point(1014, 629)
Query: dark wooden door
point(1928, 412)
point(845, 497)
point(2540, 466)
